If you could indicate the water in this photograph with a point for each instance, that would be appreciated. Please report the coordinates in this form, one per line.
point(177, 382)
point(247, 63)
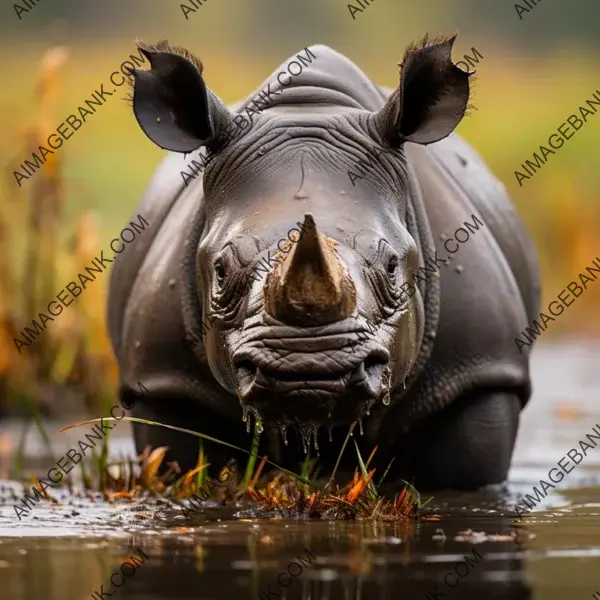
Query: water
point(68, 552)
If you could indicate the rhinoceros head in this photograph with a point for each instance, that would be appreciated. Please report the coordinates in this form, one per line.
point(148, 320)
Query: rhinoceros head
point(303, 270)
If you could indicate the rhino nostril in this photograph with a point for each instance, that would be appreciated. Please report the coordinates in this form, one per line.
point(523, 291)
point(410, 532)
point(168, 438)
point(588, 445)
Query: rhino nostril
point(374, 360)
point(247, 367)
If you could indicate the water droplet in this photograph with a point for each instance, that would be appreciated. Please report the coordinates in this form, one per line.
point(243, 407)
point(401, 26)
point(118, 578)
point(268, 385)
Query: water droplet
point(137, 344)
point(368, 412)
point(360, 427)
point(244, 413)
point(303, 435)
point(459, 269)
point(330, 428)
point(259, 426)
point(283, 431)
point(315, 435)
point(262, 150)
point(404, 383)
point(172, 283)
point(443, 236)
point(386, 399)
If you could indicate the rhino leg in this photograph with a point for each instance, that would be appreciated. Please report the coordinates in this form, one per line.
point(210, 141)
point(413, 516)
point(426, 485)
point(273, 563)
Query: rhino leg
point(466, 446)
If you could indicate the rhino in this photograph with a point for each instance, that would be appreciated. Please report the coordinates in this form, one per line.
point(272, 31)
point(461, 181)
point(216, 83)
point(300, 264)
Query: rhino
point(341, 337)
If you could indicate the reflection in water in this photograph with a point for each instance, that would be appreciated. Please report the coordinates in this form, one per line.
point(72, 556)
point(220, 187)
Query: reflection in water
point(452, 578)
point(285, 579)
point(563, 467)
point(120, 577)
point(217, 556)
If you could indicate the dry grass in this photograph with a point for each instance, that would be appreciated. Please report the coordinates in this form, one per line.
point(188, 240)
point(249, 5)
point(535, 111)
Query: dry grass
point(280, 494)
point(40, 252)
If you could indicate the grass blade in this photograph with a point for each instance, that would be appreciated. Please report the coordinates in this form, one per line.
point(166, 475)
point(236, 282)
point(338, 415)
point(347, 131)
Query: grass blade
point(385, 473)
point(35, 415)
point(370, 486)
point(253, 455)
point(306, 466)
point(337, 464)
point(20, 455)
point(201, 472)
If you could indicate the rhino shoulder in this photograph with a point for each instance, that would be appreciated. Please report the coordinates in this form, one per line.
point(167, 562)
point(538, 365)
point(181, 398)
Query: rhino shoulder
point(488, 195)
point(161, 195)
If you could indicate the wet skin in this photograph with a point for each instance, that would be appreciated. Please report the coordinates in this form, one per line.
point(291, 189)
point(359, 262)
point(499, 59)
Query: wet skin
point(283, 348)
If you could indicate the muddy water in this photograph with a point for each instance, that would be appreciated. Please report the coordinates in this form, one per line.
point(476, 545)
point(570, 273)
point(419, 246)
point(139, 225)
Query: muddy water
point(72, 551)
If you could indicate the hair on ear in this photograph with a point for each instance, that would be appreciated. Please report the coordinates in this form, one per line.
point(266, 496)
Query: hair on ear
point(414, 47)
point(163, 46)
point(431, 98)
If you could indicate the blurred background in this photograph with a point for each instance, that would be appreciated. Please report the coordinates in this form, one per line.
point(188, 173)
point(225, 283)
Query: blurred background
point(535, 72)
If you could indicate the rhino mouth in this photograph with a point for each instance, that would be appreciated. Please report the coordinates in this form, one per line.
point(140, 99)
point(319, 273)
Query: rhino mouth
point(312, 393)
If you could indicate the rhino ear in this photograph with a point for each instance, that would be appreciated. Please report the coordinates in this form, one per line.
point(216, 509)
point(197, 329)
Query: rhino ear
point(431, 99)
point(171, 102)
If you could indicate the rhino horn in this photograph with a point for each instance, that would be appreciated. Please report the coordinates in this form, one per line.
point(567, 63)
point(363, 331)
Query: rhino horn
point(310, 286)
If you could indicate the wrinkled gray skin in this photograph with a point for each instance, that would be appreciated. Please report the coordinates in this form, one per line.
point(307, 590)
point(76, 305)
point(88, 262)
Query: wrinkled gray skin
point(281, 347)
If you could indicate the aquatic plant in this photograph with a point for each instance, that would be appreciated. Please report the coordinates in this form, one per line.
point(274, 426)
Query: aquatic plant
point(281, 494)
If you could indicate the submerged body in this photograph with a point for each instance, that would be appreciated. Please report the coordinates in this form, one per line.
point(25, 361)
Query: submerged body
point(370, 315)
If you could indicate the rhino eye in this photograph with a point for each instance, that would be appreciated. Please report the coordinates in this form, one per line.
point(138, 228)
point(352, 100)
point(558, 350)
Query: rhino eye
point(392, 266)
point(220, 272)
